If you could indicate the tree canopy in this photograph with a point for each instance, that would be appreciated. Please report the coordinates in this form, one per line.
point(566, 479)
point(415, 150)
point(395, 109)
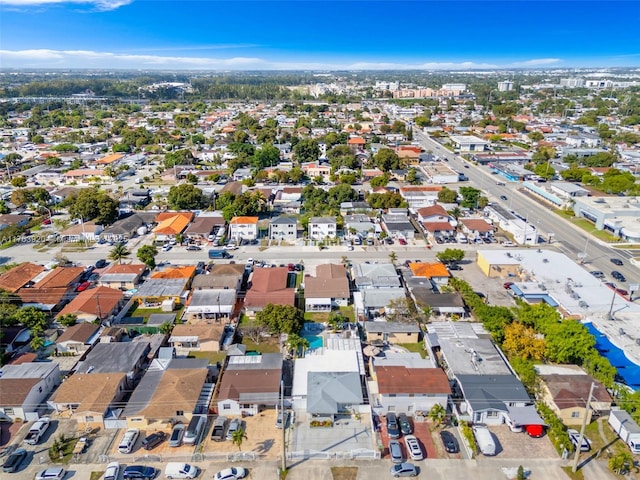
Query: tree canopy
point(89, 204)
point(186, 197)
point(281, 318)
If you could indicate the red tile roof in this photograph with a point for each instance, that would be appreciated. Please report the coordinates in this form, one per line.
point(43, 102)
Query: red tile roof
point(403, 380)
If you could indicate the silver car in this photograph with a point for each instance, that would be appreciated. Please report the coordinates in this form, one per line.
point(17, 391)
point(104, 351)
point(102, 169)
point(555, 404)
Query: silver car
point(404, 470)
point(395, 451)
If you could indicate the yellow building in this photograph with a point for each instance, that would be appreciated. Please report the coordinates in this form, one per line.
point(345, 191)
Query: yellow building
point(498, 263)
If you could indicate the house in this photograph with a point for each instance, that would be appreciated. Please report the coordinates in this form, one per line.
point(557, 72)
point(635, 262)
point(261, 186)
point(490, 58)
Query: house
point(25, 387)
point(329, 289)
point(172, 390)
point(171, 224)
point(408, 390)
point(88, 398)
point(268, 285)
point(154, 291)
point(210, 304)
point(249, 384)
point(224, 276)
point(392, 332)
point(469, 143)
point(433, 213)
point(81, 232)
point(375, 275)
point(321, 228)
point(78, 338)
point(100, 303)
point(333, 362)
point(398, 225)
point(333, 393)
point(283, 228)
point(243, 228)
point(60, 277)
point(122, 276)
point(134, 199)
point(476, 227)
point(434, 271)
point(128, 227)
point(420, 195)
point(203, 226)
point(201, 337)
point(116, 357)
point(565, 388)
point(356, 143)
point(242, 174)
point(10, 220)
point(360, 224)
point(186, 272)
point(17, 277)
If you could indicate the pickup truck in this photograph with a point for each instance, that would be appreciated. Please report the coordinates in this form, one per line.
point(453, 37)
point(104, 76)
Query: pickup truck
point(37, 430)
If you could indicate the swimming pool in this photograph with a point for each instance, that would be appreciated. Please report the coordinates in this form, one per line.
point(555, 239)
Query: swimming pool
point(315, 341)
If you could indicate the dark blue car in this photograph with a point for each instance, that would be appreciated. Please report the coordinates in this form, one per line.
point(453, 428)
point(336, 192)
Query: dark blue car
point(139, 471)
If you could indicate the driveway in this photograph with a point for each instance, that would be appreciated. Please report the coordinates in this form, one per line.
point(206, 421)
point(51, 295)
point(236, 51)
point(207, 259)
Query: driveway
point(512, 445)
point(345, 435)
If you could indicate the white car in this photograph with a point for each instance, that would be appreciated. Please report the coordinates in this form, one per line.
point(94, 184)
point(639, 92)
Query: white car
point(574, 436)
point(233, 473)
point(413, 447)
point(166, 247)
point(53, 473)
point(113, 471)
point(230, 246)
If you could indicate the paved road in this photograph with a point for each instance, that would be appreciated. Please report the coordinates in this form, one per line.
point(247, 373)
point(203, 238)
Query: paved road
point(568, 238)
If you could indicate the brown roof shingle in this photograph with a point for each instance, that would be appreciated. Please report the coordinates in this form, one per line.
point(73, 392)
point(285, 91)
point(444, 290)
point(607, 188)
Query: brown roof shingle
point(14, 391)
point(80, 332)
point(94, 392)
point(395, 380)
point(20, 275)
point(178, 390)
point(61, 277)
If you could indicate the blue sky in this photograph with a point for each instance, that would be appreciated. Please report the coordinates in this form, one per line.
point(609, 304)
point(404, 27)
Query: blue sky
point(330, 34)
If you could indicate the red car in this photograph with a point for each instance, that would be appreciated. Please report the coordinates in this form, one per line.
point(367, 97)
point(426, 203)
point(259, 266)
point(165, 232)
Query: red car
point(402, 241)
point(83, 286)
point(507, 285)
point(291, 267)
point(47, 221)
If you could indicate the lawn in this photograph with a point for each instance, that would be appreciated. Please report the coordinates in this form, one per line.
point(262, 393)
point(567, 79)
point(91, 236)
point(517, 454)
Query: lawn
point(415, 348)
point(322, 317)
point(267, 345)
point(137, 311)
point(213, 357)
point(96, 475)
point(613, 443)
point(587, 226)
point(573, 476)
point(67, 450)
point(344, 473)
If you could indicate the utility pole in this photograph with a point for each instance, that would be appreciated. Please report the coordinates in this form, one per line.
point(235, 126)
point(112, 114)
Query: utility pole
point(284, 428)
point(584, 424)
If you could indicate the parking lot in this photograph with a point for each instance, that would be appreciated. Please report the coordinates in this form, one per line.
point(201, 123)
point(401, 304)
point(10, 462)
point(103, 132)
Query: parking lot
point(346, 435)
point(429, 441)
point(512, 445)
point(492, 288)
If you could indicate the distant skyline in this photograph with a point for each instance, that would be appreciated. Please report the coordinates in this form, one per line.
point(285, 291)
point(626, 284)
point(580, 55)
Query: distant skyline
point(318, 35)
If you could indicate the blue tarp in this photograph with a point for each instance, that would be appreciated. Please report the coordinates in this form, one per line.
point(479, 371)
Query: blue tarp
point(627, 370)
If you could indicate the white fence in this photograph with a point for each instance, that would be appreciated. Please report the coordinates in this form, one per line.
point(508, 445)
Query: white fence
point(358, 454)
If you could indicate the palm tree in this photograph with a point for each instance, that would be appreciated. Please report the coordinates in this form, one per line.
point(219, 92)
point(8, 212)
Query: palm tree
point(238, 437)
point(393, 257)
point(456, 212)
point(119, 252)
point(296, 343)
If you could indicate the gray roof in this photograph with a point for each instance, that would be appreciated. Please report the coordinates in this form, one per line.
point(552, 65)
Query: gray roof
point(492, 392)
point(375, 275)
point(327, 391)
point(28, 370)
point(327, 220)
point(391, 327)
point(118, 277)
point(160, 318)
point(113, 357)
point(145, 390)
point(130, 224)
point(209, 281)
point(381, 297)
point(266, 361)
point(162, 287)
point(474, 356)
point(284, 221)
point(205, 298)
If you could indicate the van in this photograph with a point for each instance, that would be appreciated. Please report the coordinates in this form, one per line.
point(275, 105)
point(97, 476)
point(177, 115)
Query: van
point(485, 441)
point(128, 441)
point(192, 432)
point(180, 470)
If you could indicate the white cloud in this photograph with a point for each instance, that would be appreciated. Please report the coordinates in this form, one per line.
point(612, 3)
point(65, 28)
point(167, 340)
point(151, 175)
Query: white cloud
point(102, 5)
point(44, 58)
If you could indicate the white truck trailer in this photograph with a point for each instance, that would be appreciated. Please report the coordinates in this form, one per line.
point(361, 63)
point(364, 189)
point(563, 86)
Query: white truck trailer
point(626, 428)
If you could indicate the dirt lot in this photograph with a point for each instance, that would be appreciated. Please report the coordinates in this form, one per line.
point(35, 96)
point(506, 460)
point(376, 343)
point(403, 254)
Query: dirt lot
point(491, 287)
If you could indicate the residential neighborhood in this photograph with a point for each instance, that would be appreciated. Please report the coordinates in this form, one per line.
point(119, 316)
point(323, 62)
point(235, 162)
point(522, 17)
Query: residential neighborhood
point(409, 275)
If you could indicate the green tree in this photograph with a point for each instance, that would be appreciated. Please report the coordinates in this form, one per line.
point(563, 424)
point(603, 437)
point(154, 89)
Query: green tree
point(379, 181)
point(297, 344)
point(386, 159)
point(412, 177)
point(191, 178)
point(568, 342)
point(620, 462)
point(469, 197)
point(119, 252)
point(536, 136)
point(393, 257)
point(447, 195)
point(89, 204)
point(437, 414)
point(166, 328)
point(186, 197)
point(306, 150)
point(336, 320)
point(4, 209)
point(266, 156)
point(19, 181)
point(32, 318)
point(147, 255)
point(238, 437)
point(450, 255)
point(68, 319)
point(281, 318)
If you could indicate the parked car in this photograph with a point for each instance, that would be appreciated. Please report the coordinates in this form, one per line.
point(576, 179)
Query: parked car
point(393, 429)
point(112, 472)
point(618, 276)
point(503, 197)
point(405, 424)
point(233, 473)
point(83, 286)
point(395, 451)
point(449, 441)
point(101, 263)
point(413, 447)
point(166, 247)
point(402, 241)
point(139, 471)
point(153, 440)
point(176, 435)
point(53, 473)
point(235, 424)
point(574, 436)
point(14, 461)
point(193, 248)
point(404, 470)
point(597, 274)
point(616, 261)
point(219, 428)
